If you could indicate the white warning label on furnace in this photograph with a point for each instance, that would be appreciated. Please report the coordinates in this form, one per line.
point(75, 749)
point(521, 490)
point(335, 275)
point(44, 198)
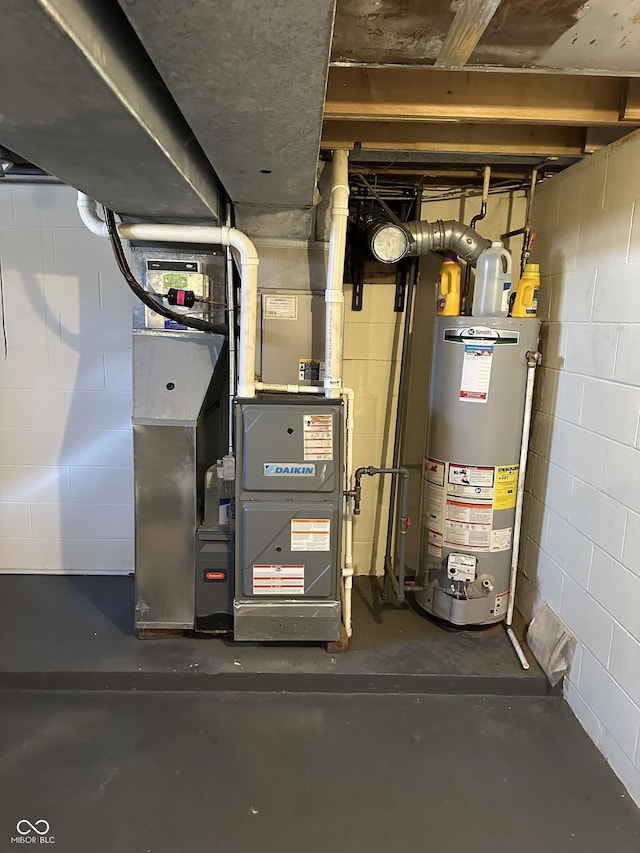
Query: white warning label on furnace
point(310, 534)
point(501, 539)
point(476, 373)
point(278, 580)
point(318, 436)
point(280, 307)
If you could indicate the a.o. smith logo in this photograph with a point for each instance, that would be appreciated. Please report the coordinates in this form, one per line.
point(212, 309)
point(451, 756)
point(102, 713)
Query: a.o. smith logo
point(286, 469)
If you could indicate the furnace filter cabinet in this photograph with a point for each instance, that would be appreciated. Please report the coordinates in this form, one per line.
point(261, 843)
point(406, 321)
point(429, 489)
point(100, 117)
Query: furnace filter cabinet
point(470, 473)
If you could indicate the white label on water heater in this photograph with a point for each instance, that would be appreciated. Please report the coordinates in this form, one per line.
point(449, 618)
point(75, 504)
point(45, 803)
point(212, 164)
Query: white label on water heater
point(471, 475)
point(501, 539)
point(475, 536)
point(434, 471)
point(435, 507)
point(476, 373)
point(471, 512)
point(434, 548)
point(461, 567)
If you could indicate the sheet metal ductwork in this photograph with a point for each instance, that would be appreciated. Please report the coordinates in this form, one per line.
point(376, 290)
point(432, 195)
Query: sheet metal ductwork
point(250, 78)
point(82, 101)
point(390, 243)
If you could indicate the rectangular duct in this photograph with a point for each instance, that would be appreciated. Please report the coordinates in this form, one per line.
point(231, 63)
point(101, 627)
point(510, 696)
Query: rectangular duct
point(82, 100)
point(250, 78)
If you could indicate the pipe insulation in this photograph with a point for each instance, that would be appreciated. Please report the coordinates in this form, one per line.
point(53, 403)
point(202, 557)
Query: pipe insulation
point(334, 292)
point(390, 243)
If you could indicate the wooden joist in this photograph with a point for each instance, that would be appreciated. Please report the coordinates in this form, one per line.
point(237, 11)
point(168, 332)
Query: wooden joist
point(426, 95)
point(520, 139)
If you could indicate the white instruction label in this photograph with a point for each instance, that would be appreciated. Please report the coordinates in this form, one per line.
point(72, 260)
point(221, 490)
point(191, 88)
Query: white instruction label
point(461, 567)
point(318, 436)
point(501, 539)
point(434, 510)
point(471, 512)
point(470, 475)
point(501, 603)
point(434, 547)
point(280, 307)
point(434, 471)
point(278, 580)
point(310, 534)
point(475, 536)
point(476, 373)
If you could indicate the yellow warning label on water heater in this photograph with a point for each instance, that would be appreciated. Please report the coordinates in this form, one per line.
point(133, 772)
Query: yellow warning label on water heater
point(506, 487)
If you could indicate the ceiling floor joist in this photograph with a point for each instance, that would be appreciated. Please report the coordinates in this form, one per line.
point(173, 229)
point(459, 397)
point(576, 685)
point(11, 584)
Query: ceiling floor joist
point(521, 139)
point(399, 95)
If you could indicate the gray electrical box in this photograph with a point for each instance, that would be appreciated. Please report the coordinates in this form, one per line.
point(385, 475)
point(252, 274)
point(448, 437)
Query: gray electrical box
point(289, 499)
point(291, 343)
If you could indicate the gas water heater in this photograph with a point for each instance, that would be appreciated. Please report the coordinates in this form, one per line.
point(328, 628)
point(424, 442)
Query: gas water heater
point(470, 472)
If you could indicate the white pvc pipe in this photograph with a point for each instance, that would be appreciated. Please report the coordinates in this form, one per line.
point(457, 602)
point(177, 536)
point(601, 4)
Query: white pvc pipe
point(524, 663)
point(289, 389)
point(532, 362)
point(88, 210)
point(218, 236)
point(347, 568)
point(334, 295)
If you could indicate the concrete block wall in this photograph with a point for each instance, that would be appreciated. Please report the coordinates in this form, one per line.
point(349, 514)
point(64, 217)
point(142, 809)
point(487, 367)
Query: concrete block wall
point(581, 551)
point(66, 467)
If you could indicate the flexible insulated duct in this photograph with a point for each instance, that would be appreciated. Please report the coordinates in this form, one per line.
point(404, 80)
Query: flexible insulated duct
point(390, 243)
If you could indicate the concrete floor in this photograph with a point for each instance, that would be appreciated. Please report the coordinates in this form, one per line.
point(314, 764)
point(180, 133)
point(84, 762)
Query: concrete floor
point(284, 773)
point(78, 632)
point(416, 738)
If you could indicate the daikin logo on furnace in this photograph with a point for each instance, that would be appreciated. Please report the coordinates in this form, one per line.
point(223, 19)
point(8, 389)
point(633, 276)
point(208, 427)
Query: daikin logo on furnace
point(288, 469)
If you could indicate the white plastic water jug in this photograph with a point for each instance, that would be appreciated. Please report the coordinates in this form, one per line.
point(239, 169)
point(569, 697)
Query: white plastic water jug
point(493, 282)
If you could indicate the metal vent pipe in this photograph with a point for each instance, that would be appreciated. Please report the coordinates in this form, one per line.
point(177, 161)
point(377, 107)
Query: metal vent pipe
point(390, 243)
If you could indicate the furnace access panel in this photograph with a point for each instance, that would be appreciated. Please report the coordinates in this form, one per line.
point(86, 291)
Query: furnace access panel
point(290, 485)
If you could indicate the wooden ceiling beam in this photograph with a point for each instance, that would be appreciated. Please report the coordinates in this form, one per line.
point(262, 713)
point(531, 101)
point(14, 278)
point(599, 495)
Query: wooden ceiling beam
point(630, 104)
point(524, 140)
point(428, 95)
point(471, 20)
